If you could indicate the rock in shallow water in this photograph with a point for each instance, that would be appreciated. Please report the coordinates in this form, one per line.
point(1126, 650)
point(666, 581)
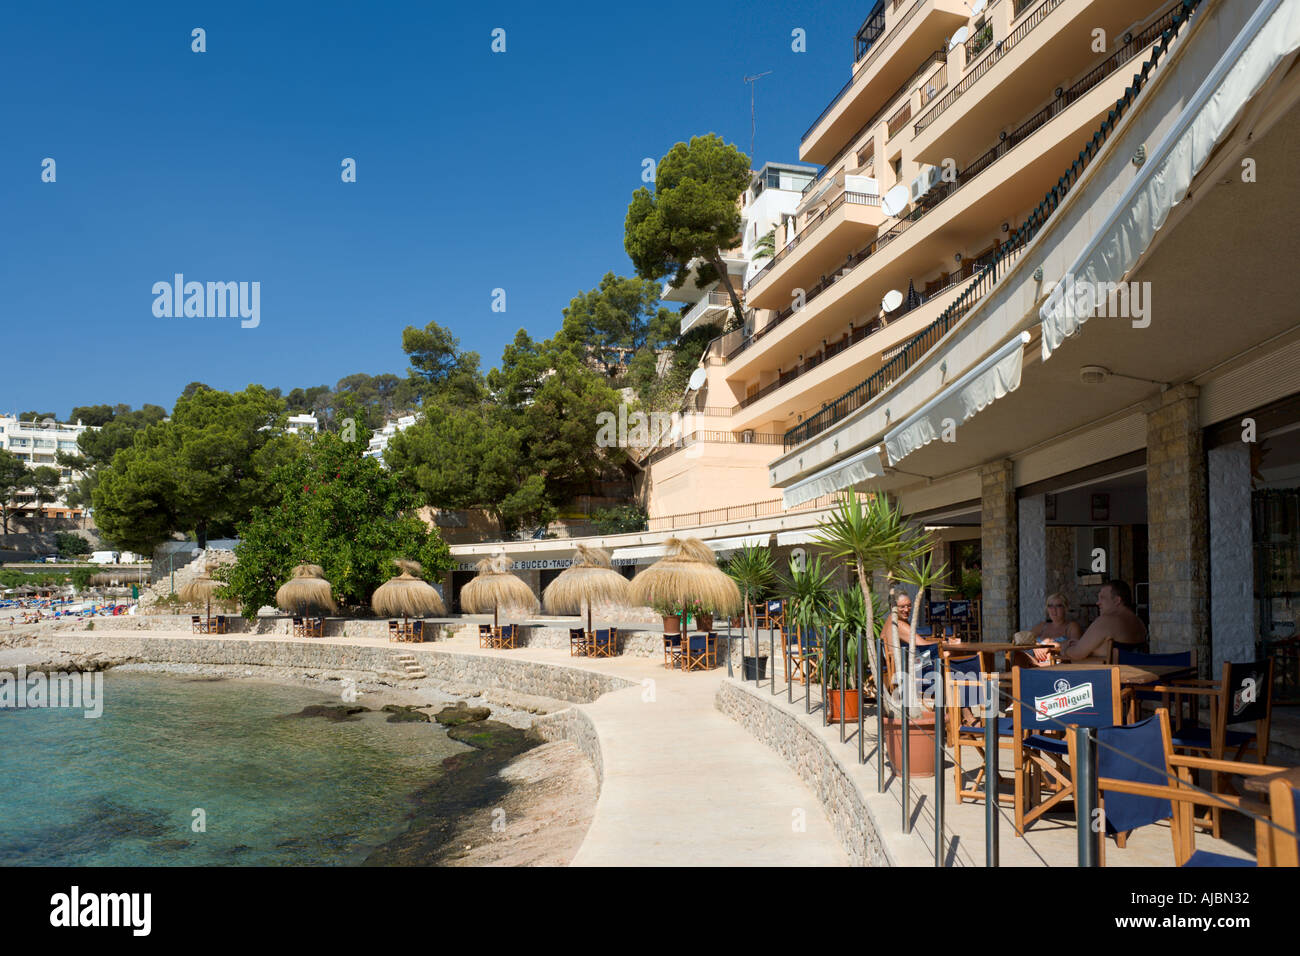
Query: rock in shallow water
point(402, 714)
point(461, 714)
point(335, 712)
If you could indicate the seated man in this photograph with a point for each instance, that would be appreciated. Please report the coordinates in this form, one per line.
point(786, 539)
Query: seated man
point(1117, 623)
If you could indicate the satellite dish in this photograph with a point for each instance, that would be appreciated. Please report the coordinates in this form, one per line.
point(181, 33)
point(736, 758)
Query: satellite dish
point(698, 378)
point(958, 38)
point(895, 200)
point(892, 300)
point(978, 7)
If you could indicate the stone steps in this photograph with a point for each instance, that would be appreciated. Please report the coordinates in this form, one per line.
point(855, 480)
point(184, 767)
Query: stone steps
point(411, 666)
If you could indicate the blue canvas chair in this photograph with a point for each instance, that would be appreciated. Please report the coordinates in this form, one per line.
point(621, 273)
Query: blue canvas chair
point(959, 614)
point(485, 636)
point(964, 708)
point(577, 642)
point(506, 637)
point(700, 652)
point(417, 631)
point(1142, 781)
point(1047, 700)
point(1243, 695)
point(604, 642)
point(938, 612)
point(672, 650)
point(800, 648)
point(1124, 655)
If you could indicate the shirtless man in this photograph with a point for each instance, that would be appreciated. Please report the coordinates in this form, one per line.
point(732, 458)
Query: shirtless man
point(1116, 622)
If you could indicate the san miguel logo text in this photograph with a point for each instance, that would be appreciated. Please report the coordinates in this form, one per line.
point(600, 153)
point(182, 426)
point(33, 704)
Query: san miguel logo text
point(1064, 700)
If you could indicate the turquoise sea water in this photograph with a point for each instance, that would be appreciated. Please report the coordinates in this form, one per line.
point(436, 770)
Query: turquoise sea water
point(121, 789)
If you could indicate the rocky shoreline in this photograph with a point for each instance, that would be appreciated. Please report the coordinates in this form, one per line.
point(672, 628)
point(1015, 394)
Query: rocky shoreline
point(513, 800)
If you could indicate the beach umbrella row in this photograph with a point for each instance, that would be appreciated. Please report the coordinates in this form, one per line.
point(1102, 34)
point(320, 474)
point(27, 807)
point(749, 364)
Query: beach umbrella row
point(687, 574)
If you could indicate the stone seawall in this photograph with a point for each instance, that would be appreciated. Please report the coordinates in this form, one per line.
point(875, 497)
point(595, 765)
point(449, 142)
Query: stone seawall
point(574, 724)
point(808, 755)
point(319, 659)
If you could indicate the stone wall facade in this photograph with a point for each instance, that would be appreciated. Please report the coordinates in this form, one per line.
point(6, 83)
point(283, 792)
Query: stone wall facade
point(1177, 523)
point(999, 552)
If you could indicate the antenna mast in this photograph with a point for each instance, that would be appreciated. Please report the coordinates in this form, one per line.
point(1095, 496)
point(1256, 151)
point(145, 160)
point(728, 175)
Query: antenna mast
point(752, 122)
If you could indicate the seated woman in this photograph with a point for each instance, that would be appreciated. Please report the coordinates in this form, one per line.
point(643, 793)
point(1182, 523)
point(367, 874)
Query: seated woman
point(1057, 628)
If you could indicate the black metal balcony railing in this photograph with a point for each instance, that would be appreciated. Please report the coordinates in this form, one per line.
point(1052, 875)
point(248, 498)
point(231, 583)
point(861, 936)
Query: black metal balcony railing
point(979, 41)
point(987, 63)
point(1130, 48)
point(938, 56)
point(899, 119)
point(1168, 26)
point(862, 64)
point(811, 224)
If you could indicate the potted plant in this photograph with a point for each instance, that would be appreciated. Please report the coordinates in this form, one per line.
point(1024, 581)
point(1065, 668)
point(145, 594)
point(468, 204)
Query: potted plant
point(671, 616)
point(751, 568)
point(846, 615)
point(807, 592)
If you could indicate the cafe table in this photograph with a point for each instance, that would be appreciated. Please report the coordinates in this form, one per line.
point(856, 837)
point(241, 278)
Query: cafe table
point(987, 649)
point(1133, 677)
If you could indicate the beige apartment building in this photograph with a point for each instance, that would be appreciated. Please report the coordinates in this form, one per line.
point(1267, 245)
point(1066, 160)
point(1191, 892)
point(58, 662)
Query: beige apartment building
point(1039, 294)
point(1099, 373)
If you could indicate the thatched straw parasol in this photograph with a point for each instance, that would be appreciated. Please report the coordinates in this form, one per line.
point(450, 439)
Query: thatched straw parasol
point(589, 579)
point(407, 595)
point(306, 592)
point(495, 586)
point(199, 589)
point(689, 574)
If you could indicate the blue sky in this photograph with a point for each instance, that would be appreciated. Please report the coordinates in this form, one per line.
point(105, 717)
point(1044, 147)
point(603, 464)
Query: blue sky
point(475, 171)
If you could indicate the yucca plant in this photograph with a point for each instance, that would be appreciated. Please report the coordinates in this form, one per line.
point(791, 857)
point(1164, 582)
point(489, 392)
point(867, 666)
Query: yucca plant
point(752, 569)
point(807, 592)
point(847, 614)
point(872, 536)
point(921, 573)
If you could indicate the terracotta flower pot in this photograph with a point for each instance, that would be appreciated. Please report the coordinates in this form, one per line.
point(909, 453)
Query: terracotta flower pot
point(920, 743)
point(704, 622)
point(844, 705)
point(672, 624)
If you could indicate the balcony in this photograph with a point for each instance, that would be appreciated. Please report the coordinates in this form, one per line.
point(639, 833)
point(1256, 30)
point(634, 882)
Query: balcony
point(713, 305)
point(1010, 76)
point(910, 31)
point(828, 372)
point(836, 228)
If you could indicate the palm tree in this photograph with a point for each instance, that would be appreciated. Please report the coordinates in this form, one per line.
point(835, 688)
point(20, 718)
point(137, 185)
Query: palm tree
point(873, 537)
point(765, 246)
point(752, 570)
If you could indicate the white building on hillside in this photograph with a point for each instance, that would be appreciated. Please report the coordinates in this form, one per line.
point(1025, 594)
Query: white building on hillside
point(39, 443)
point(379, 440)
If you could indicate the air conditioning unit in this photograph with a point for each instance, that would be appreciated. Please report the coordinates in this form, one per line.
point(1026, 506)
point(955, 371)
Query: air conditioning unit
point(747, 436)
point(923, 183)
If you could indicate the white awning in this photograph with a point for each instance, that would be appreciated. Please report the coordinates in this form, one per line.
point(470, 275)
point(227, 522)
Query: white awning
point(996, 376)
point(1270, 36)
point(636, 553)
point(845, 474)
point(743, 541)
point(785, 538)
